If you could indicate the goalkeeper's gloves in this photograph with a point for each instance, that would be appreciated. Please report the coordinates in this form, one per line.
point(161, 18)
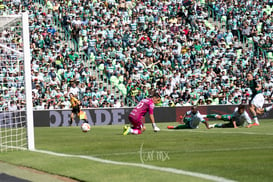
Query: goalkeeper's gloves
point(156, 129)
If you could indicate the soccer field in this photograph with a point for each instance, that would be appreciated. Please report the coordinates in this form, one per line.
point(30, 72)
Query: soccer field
point(104, 154)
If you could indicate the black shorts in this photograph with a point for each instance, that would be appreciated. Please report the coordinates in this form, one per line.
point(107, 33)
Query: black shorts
point(76, 109)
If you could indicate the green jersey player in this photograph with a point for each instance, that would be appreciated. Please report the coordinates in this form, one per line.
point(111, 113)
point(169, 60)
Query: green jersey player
point(237, 118)
point(257, 99)
point(191, 120)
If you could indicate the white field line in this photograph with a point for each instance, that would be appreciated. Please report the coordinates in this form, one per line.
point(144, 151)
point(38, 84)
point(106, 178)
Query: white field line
point(209, 131)
point(219, 132)
point(140, 165)
point(191, 151)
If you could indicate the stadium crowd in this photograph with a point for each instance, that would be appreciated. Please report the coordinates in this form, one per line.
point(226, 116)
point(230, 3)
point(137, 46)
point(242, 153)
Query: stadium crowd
point(167, 46)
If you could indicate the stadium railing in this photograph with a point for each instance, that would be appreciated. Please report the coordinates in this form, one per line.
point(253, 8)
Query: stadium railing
point(39, 1)
point(210, 12)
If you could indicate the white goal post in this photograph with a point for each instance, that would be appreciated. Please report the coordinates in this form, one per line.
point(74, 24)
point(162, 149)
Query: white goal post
point(16, 109)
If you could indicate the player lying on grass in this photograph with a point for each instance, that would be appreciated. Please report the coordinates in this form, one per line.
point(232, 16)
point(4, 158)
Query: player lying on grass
point(257, 99)
point(237, 118)
point(136, 115)
point(191, 120)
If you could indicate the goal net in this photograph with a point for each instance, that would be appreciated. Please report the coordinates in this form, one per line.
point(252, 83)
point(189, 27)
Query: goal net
point(16, 117)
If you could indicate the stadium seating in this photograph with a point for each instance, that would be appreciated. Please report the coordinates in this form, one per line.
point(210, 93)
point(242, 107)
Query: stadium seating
point(200, 41)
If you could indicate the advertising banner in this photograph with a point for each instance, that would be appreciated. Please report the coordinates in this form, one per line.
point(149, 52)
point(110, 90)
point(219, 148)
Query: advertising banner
point(114, 116)
point(55, 118)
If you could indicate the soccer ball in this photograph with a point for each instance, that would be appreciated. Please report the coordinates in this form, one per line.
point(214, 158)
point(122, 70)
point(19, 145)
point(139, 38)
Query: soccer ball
point(85, 127)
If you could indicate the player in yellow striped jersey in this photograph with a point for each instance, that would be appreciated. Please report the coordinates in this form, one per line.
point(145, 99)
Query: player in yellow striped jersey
point(76, 110)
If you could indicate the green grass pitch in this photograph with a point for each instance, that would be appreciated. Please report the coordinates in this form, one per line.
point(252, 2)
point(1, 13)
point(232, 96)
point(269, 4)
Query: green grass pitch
point(242, 154)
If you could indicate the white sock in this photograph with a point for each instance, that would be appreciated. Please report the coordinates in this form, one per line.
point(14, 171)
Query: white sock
point(134, 131)
point(256, 120)
point(268, 108)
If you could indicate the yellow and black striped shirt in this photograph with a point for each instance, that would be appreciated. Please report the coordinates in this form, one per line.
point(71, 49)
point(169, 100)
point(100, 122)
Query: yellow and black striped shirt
point(74, 102)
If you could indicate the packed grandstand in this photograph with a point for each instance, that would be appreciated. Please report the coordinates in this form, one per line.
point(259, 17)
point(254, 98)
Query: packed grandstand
point(111, 53)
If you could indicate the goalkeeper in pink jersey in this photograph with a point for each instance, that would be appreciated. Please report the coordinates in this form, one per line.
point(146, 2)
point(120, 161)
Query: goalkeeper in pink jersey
point(136, 115)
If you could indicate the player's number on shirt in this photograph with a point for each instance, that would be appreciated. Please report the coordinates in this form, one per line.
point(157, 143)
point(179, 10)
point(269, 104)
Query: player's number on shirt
point(139, 105)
